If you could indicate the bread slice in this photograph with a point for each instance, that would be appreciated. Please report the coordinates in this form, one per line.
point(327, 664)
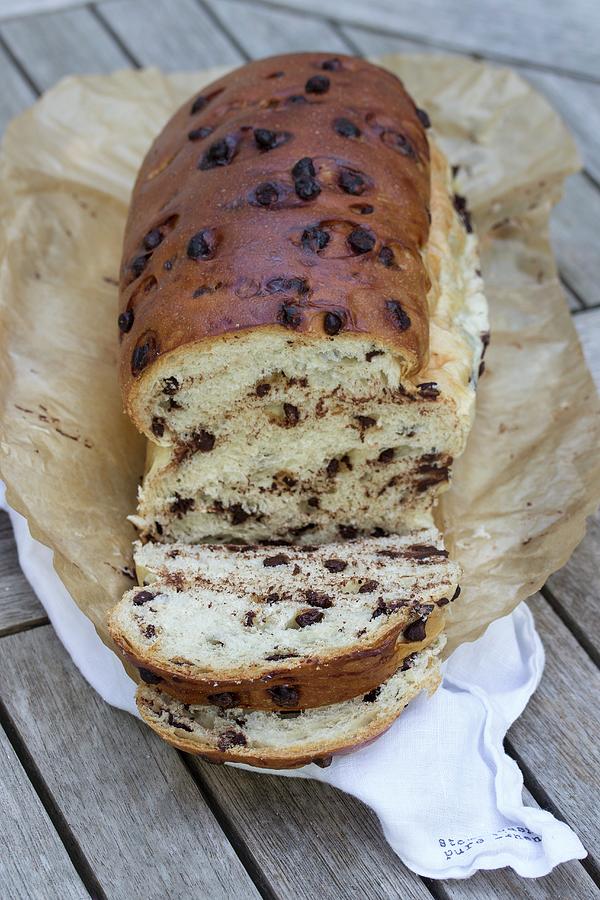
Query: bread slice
point(285, 740)
point(273, 627)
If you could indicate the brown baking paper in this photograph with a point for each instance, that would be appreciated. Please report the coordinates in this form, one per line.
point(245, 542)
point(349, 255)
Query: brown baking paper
point(71, 460)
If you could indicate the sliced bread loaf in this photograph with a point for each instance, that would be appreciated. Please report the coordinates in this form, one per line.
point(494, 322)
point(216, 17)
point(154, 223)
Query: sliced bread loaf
point(285, 740)
point(291, 627)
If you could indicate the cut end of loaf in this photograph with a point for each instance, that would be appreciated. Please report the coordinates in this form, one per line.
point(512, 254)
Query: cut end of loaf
point(282, 740)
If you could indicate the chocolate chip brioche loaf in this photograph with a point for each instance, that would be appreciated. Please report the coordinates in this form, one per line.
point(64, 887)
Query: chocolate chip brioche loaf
point(287, 739)
point(302, 319)
point(292, 628)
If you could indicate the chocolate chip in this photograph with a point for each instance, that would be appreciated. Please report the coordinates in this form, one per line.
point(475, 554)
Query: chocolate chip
point(424, 551)
point(262, 389)
point(304, 166)
point(333, 323)
point(150, 631)
point(182, 505)
point(296, 98)
point(323, 762)
point(399, 142)
point(202, 245)
point(314, 239)
point(177, 723)
point(363, 209)
point(266, 194)
point(280, 559)
point(266, 139)
point(335, 565)
point(485, 340)
point(423, 117)
point(408, 662)
point(238, 514)
point(139, 264)
point(415, 631)
point(292, 415)
point(333, 467)
point(372, 696)
point(231, 738)
point(220, 153)
point(481, 368)
point(277, 657)
point(249, 618)
point(198, 104)
point(372, 354)
point(170, 385)
point(144, 353)
point(310, 617)
point(346, 128)
point(153, 239)
point(284, 695)
point(225, 700)
point(456, 594)
point(288, 286)
point(197, 134)
point(386, 456)
point(386, 256)
point(168, 265)
point(306, 187)
point(125, 321)
point(158, 426)
point(318, 84)
point(443, 601)
point(314, 502)
point(148, 676)
point(272, 598)
point(379, 532)
point(368, 587)
point(318, 599)
point(290, 316)
point(352, 182)
point(143, 597)
point(202, 441)
point(332, 65)
point(460, 205)
point(361, 240)
point(365, 421)
point(400, 318)
point(348, 532)
point(429, 390)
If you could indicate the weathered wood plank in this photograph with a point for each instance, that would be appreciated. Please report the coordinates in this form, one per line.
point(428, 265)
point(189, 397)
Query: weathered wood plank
point(62, 43)
point(328, 844)
point(588, 329)
point(174, 36)
point(567, 880)
point(16, 93)
point(534, 32)
point(264, 32)
point(553, 739)
point(131, 804)
point(19, 607)
point(13, 9)
point(33, 861)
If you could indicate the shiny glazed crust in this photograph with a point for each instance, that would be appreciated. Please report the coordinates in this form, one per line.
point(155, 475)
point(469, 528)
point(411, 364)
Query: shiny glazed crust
point(252, 211)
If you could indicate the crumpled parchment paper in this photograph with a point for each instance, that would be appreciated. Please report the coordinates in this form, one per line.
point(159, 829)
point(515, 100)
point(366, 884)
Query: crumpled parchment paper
point(70, 458)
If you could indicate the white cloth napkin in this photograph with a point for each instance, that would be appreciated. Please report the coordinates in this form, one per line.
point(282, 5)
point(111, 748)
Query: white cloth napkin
point(448, 797)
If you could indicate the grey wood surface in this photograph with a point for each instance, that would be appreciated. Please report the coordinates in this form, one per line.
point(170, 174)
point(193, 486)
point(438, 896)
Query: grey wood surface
point(108, 810)
point(33, 861)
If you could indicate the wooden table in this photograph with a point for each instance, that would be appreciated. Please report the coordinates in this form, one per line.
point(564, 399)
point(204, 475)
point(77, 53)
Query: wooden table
point(91, 802)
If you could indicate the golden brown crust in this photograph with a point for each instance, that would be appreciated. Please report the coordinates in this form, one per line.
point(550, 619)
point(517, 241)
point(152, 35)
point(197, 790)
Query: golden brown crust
point(306, 686)
point(248, 239)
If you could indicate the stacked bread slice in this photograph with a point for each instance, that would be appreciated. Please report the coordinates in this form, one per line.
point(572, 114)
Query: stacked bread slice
point(288, 633)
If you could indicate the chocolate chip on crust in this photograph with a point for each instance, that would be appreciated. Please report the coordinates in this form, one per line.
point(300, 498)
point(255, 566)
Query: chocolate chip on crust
point(361, 240)
point(415, 631)
point(220, 153)
point(198, 104)
point(352, 182)
point(284, 695)
point(144, 353)
point(197, 134)
point(332, 65)
point(125, 321)
point(202, 245)
point(226, 699)
point(231, 738)
point(149, 677)
point(266, 194)
point(309, 617)
point(314, 238)
point(333, 323)
point(265, 139)
point(289, 316)
point(345, 128)
point(318, 84)
point(307, 188)
point(423, 117)
point(304, 167)
point(400, 318)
